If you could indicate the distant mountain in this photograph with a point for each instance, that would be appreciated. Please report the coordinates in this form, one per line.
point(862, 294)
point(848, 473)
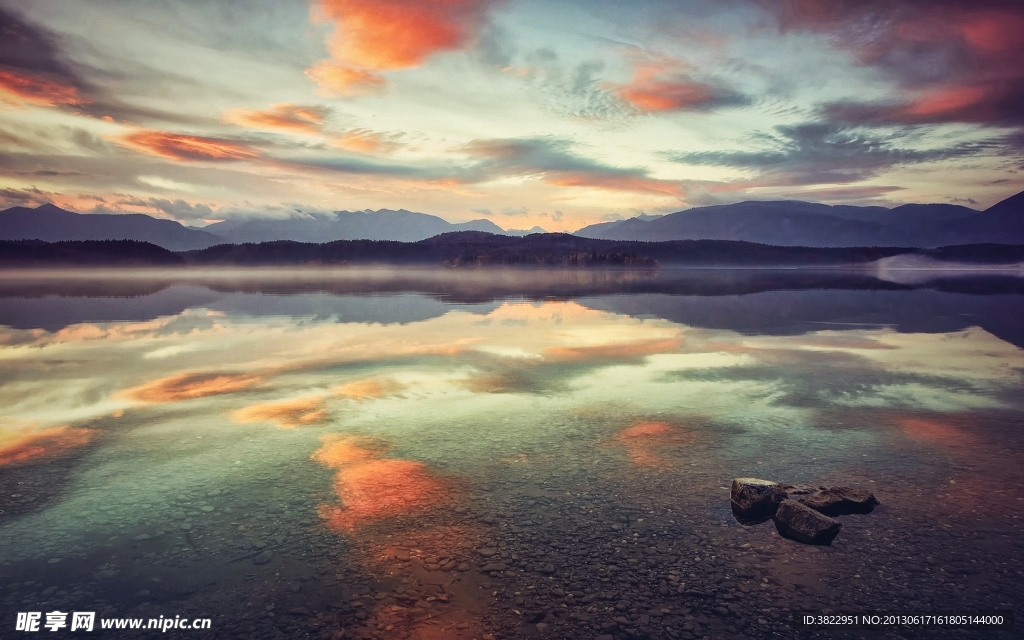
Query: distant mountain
point(401, 225)
point(50, 223)
point(795, 223)
point(521, 232)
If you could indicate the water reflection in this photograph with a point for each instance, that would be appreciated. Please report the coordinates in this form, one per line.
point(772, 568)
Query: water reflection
point(285, 413)
point(410, 466)
point(188, 385)
point(27, 443)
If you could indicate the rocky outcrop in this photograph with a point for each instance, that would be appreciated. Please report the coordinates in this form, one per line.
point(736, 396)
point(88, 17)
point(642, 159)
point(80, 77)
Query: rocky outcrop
point(840, 501)
point(755, 500)
point(809, 515)
point(796, 521)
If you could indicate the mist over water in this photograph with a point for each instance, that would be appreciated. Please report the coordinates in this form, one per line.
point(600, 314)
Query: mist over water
point(428, 454)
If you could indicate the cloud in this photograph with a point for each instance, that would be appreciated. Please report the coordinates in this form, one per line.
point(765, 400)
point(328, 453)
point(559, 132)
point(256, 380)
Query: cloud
point(379, 489)
point(186, 148)
point(32, 69)
point(286, 117)
point(368, 389)
point(553, 161)
point(180, 209)
point(935, 431)
point(625, 352)
point(165, 183)
point(645, 440)
point(37, 89)
point(27, 444)
point(334, 78)
point(187, 386)
point(515, 212)
point(370, 487)
point(372, 36)
point(550, 159)
point(288, 414)
point(826, 153)
point(24, 197)
point(338, 451)
point(662, 83)
point(953, 61)
point(366, 141)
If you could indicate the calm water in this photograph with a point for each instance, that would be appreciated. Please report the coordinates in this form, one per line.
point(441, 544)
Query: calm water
point(448, 454)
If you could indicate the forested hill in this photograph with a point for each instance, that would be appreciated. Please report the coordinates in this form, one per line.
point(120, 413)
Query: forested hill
point(470, 248)
point(94, 253)
point(551, 249)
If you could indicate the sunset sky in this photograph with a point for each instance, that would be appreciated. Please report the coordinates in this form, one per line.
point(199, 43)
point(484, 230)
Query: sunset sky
point(551, 113)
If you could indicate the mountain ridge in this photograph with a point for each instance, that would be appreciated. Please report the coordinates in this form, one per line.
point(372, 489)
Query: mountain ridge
point(798, 223)
point(779, 223)
point(50, 223)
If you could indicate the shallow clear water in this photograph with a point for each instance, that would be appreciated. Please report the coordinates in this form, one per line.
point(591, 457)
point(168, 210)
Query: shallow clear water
point(445, 454)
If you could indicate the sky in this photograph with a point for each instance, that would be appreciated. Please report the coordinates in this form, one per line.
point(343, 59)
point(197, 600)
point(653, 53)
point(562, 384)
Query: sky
point(552, 113)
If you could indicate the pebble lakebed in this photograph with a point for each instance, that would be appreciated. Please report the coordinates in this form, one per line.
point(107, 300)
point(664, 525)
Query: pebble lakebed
point(600, 554)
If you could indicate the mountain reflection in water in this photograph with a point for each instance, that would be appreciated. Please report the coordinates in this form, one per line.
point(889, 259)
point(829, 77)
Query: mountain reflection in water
point(449, 454)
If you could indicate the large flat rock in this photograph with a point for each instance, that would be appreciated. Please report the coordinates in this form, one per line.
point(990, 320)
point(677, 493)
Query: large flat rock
point(799, 522)
point(755, 500)
point(839, 501)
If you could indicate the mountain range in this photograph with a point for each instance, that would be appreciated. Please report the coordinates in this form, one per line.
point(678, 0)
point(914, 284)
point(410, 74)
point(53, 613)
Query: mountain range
point(782, 223)
point(795, 223)
point(50, 223)
point(401, 225)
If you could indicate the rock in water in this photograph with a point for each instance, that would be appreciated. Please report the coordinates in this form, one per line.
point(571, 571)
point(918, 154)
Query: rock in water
point(754, 500)
point(840, 501)
point(264, 557)
point(803, 524)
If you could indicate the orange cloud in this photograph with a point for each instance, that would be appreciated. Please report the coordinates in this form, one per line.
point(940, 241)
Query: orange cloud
point(399, 34)
point(287, 414)
point(288, 117)
point(373, 35)
point(37, 90)
point(346, 81)
point(381, 488)
point(643, 440)
point(186, 386)
point(186, 148)
point(624, 351)
point(935, 431)
point(661, 84)
point(371, 488)
point(615, 183)
point(365, 141)
point(26, 445)
point(944, 102)
point(994, 31)
point(338, 451)
point(367, 389)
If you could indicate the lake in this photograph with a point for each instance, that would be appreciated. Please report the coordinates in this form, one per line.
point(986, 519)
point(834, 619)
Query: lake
point(373, 453)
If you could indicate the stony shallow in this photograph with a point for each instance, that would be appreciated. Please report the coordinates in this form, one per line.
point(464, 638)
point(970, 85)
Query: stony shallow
point(497, 471)
point(533, 554)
